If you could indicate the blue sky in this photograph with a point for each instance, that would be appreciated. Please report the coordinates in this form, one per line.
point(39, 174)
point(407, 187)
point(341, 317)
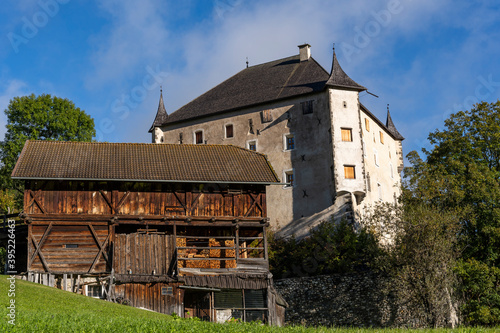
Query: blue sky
point(425, 58)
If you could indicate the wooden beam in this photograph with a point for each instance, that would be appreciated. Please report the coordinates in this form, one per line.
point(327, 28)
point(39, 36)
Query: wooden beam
point(107, 201)
point(35, 200)
point(100, 246)
point(120, 203)
point(38, 246)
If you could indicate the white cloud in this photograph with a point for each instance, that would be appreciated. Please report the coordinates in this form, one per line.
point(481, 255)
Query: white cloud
point(8, 90)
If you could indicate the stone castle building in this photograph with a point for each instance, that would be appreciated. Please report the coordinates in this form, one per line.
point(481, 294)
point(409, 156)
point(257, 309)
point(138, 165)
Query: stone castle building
point(334, 156)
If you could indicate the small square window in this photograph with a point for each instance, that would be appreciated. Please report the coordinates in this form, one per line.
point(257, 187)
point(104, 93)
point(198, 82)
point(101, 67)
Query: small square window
point(198, 137)
point(289, 142)
point(94, 291)
point(381, 137)
point(349, 172)
point(266, 116)
point(229, 131)
point(252, 145)
point(289, 178)
point(346, 134)
point(307, 107)
point(367, 124)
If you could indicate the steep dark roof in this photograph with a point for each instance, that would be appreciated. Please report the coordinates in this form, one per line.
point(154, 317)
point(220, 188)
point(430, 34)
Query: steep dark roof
point(338, 78)
point(258, 84)
point(142, 162)
point(392, 128)
point(161, 114)
point(375, 119)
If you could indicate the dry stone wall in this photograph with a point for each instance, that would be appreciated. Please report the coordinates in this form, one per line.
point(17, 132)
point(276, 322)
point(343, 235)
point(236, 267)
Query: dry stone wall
point(359, 300)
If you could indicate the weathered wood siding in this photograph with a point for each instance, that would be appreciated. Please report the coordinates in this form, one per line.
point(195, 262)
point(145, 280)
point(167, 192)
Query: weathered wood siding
point(68, 248)
point(143, 199)
point(143, 253)
point(149, 296)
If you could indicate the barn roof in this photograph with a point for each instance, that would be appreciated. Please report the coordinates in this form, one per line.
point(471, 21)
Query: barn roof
point(142, 162)
point(272, 81)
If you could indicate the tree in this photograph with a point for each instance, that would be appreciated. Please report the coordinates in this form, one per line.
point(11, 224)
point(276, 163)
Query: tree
point(39, 118)
point(420, 258)
point(462, 172)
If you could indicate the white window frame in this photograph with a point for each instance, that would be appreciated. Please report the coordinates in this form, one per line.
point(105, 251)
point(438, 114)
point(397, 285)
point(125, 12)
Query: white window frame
point(202, 136)
point(285, 137)
point(375, 157)
point(87, 292)
point(392, 170)
point(287, 172)
point(248, 144)
point(379, 188)
point(225, 130)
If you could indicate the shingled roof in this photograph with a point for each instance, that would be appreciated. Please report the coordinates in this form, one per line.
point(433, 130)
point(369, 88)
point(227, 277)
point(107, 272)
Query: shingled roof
point(161, 114)
point(338, 78)
point(258, 84)
point(142, 162)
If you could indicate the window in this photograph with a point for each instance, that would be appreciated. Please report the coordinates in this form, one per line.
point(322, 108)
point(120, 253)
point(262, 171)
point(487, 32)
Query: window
point(381, 137)
point(246, 304)
point(266, 116)
point(346, 134)
point(345, 104)
point(392, 170)
point(289, 178)
point(289, 142)
point(364, 148)
point(307, 107)
point(367, 124)
point(229, 131)
point(349, 172)
point(379, 187)
point(368, 182)
point(94, 291)
point(375, 156)
point(180, 138)
point(198, 137)
point(252, 145)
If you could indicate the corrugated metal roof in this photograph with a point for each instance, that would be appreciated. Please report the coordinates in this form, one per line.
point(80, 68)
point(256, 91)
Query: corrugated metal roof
point(142, 162)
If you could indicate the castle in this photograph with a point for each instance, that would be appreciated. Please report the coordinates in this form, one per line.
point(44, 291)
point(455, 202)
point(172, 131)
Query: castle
point(334, 157)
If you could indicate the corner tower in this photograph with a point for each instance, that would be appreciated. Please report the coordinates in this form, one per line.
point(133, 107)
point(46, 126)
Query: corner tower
point(160, 119)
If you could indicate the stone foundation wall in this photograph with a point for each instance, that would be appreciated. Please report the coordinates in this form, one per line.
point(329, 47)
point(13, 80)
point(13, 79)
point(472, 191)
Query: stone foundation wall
point(359, 300)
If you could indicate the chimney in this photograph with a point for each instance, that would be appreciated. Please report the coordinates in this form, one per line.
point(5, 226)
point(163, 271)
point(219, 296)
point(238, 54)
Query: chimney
point(305, 52)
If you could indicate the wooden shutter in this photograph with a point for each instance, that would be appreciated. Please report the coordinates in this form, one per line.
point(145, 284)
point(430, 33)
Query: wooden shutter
point(349, 172)
point(346, 134)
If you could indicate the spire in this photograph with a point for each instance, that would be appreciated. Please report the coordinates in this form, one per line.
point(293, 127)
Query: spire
point(390, 126)
point(338, 78)
point(161, 114)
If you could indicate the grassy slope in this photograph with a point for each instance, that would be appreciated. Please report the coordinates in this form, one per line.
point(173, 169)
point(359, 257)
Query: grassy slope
point(44, 309)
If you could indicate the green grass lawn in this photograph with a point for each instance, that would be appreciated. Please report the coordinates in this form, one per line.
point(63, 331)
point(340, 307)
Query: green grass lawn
point(45, 309)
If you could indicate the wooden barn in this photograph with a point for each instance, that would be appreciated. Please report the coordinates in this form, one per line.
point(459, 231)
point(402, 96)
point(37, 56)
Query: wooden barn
point(170, 228)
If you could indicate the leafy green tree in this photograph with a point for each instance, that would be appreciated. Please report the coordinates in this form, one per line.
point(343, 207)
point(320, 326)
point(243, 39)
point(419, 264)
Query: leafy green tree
point(462, 172)
point(39, 118)
point(421, 244)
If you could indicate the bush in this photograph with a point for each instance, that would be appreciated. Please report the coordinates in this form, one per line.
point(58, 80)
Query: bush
point(330, 248)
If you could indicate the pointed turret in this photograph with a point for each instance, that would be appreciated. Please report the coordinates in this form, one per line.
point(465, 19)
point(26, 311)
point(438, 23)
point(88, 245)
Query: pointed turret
point(338, 78)
point(161, 114)
point(391, 128)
